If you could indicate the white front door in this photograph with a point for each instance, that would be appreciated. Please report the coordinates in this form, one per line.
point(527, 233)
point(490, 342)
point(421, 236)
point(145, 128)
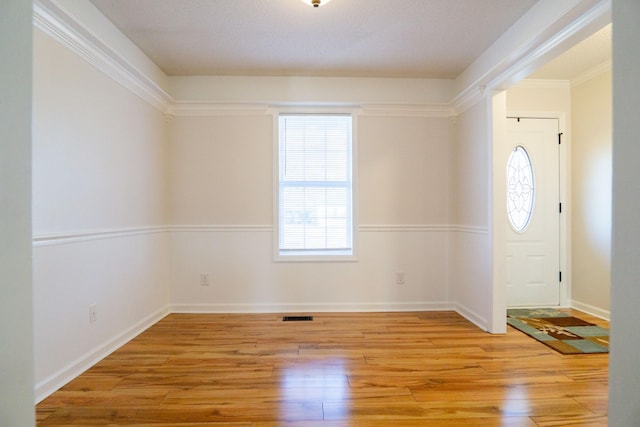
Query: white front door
point(533, 204)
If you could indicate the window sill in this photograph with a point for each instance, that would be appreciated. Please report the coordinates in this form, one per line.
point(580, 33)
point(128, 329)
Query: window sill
point(313, 258)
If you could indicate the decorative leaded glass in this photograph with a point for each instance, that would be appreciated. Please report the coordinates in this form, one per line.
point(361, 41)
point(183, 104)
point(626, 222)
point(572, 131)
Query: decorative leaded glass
point(520, 188)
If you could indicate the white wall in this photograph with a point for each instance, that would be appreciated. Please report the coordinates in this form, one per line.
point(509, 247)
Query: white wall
point(16, 324)
point(99, 208)
point(239, 90)
point(591, 191)
point(220, 170)
point(470, 274)
point(540, 96)
point(221, 198)
point(624, 372)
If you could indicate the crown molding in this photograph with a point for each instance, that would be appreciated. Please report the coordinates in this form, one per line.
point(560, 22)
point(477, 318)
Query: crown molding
point(408, 110)
point(197, 108)
point(203, 108)
point(567, 84)
point(468, 98)
point(544, 84)
point(62, 27)
point(53, 21)
point(56, 23)
point(530, 55)
point(592, 73)
point(527, 57)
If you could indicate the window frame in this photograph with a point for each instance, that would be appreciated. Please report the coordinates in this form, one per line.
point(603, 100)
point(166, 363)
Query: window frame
point(532, 203)
point(320, 255)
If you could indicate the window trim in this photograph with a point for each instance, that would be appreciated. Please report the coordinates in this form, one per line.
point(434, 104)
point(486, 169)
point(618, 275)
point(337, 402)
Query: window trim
point(532, 204)
point(315, 256)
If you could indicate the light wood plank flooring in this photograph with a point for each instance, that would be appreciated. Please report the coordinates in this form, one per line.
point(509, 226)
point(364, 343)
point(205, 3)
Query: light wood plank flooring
point(342, 369)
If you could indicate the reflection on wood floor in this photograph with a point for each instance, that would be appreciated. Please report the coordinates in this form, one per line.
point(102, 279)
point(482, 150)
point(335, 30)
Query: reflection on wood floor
point(356, 369)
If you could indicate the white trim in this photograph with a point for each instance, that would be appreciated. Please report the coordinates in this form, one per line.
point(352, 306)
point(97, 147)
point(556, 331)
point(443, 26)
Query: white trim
point(408, 110)
point(543, 84)
point(592, 310)
point(311, 307)
point(471, 316)
point(314, 258)
point(219, 228)
point(63, 28)
point(497, 134)
point(51, 239)
point(365, 228)
point(422, 228)
point(56, 23)
point(211, 108)
point(352, 112)
point(203, 108)
point(531, 55)
point(592, 73)
point(89, 235)
point(278, 108)
point(469, 229)
point(566, 84)
point(527, 57)
point(467, 98)
point(55, 381)
point(355, 183)
point(396, 228)
point(559, 115)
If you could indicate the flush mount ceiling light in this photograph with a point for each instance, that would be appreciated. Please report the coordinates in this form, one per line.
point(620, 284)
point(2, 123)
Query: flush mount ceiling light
point(316, 3)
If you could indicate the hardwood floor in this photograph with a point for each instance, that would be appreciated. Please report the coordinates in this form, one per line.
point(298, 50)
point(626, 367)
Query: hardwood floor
point(356, 369)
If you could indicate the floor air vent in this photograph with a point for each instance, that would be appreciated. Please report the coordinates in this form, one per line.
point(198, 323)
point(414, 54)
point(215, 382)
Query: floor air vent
point(297, 318)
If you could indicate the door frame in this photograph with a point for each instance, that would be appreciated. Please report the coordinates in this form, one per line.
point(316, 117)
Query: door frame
point(564, 161)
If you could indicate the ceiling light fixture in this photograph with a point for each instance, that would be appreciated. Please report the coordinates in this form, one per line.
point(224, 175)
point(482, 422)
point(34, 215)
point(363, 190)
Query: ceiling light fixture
point(316, 3)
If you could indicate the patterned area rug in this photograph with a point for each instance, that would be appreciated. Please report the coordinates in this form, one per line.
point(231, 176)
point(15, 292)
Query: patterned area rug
point(560, 331)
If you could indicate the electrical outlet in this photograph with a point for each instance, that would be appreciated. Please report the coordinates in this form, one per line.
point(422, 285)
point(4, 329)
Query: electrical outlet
point(204, 279)
point(93, 313)
point(400, 278)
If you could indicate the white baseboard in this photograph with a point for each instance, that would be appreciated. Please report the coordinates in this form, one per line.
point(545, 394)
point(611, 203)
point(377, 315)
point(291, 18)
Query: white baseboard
point(472, 316)
point(592, 310)
point(54, 382)
point(310, 307)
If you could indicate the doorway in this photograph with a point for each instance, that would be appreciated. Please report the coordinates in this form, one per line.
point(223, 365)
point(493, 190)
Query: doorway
point(533, 212)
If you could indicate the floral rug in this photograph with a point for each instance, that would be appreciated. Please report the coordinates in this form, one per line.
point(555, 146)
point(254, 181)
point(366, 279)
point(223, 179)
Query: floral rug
point(560, 331)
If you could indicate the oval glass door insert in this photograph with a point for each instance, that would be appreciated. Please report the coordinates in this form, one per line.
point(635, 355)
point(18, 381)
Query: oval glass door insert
point(520, 188)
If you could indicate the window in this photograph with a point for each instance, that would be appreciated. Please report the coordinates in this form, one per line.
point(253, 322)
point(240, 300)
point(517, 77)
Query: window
point(520, 188)
point(315, 191)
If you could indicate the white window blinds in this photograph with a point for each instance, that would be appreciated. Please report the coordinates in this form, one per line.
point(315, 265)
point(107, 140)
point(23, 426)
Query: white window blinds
point(315, 185)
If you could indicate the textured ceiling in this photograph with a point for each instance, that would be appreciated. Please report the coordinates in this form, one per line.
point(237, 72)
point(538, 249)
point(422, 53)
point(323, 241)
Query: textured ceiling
point(363, 38)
